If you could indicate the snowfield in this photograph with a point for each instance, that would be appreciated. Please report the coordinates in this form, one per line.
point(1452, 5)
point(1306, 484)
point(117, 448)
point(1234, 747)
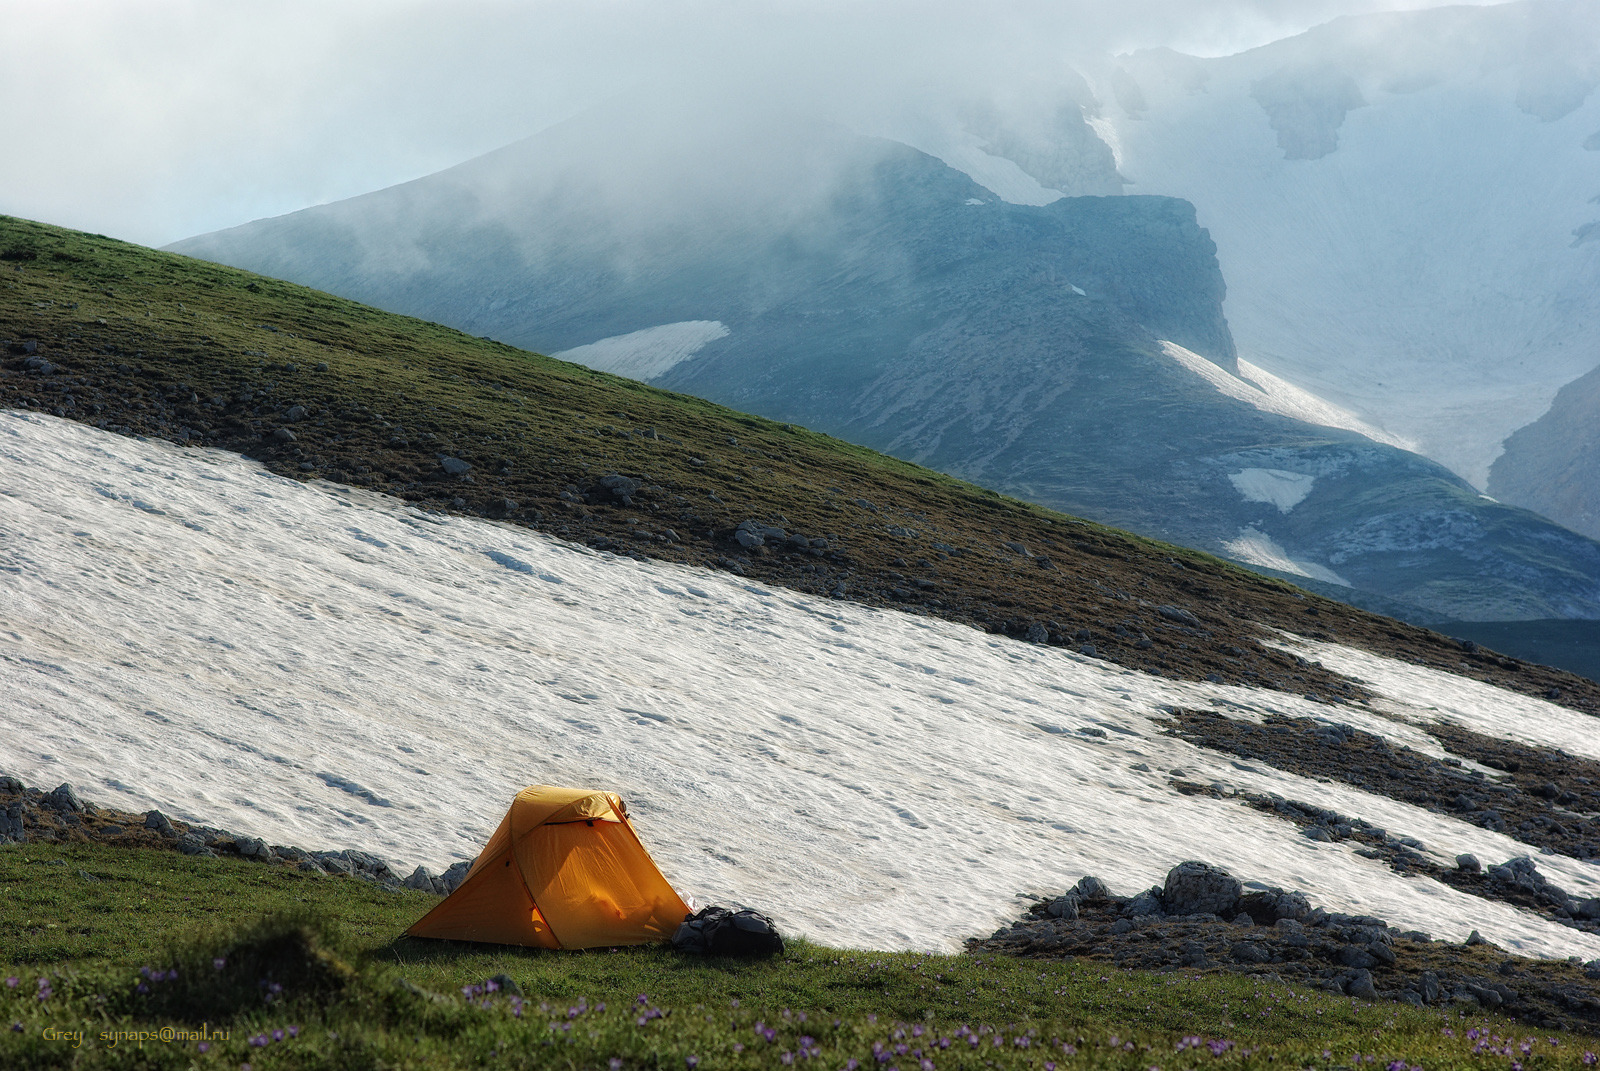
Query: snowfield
point(327, 668)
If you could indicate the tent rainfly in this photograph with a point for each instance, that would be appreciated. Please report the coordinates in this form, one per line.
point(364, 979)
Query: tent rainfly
point(564, 870)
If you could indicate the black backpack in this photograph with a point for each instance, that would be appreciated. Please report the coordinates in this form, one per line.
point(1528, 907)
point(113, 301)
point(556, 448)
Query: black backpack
point(717, 931)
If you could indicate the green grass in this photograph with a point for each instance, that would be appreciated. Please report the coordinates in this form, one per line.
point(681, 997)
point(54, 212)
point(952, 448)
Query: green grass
point(90, 960)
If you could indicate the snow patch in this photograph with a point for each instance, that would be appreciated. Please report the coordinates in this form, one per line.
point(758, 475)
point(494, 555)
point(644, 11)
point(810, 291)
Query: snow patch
point(1283, 489)
point(649, 353)
point(1270, 394)
point(1258, 548)
point(330, 668)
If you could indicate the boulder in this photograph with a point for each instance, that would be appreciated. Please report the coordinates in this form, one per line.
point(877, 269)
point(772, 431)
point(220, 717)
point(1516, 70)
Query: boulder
point(64, 799)
point(1063, 907)
point(1194, 888)
point(1178, 615)
point(1144, 905)
point(454, 466)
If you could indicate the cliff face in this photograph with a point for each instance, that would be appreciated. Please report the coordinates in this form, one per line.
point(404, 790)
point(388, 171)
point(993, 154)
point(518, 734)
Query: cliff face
point(1552, 466)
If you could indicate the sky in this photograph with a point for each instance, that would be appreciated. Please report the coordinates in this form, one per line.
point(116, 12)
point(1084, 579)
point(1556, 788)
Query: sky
point(153, 120)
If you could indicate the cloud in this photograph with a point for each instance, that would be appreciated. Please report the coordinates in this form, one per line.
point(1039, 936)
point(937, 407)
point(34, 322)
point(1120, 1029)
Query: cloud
point(156, 119)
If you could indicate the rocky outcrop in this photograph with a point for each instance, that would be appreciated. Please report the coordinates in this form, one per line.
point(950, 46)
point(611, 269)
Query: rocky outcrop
point(1203, 919)
point(32, 816)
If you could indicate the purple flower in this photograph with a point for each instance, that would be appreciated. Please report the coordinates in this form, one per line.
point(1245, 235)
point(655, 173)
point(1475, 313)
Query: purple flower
point(491, 986)
point(691, 1061)
point(259, 1041)
point(277, 1035)
point(615, 1063)
point(11, 983)
point(1588, 1059)
point(219, 963)
point(203, 1047)
point(852, 1064)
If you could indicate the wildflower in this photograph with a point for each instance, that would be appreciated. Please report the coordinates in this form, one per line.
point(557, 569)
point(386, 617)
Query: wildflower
point(259, 1041)
point(1397, 1065)
point(219, 963)
point(203, 1048)
point(691, 1061)
point(491, 986)
point(11, 983)
point(1588, 1059)
point(277, 1035)
point(738, 1046)
point(786, 1058)
point(852, 1064)
point(615, 1063)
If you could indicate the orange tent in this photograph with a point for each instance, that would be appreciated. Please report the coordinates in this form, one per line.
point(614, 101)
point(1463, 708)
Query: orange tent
point(564, 870)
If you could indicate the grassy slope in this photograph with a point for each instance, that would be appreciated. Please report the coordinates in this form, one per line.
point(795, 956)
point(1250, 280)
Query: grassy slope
point(86, 919)
point(152, 343)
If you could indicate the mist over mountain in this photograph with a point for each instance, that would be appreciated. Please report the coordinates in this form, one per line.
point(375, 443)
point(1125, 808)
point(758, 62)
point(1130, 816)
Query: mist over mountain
point(1388, 294)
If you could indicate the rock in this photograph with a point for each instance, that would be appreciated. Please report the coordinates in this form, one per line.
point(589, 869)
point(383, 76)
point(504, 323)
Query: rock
point(111, 830)
point(1091, 888)
point(1382, 953)
point(1469, 863)
point(454, 466)
point(1430, 987)
point(335, 863)
point(1144, 905)
point(1489, 998)
point(309, 866)
point(503, 507)
point(254, 848)
point(1356, 956)
point(1063, 907)
point(1589, 909)
point(1178, 615)
point(86, 876)
point(1359, 984)
point(454, 875)
point(295, 414)
point(283, 435)
point(11, 829)
point(1194, 888)
point(63, 798)
point(10, 784)
point(1476, 938)
point(1249, 952)
point(1121, 926)
point(192, 843)
point(752, 533)
point(422, 880)
point(616, 488)
point(1037, 633)
point(505, 984)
